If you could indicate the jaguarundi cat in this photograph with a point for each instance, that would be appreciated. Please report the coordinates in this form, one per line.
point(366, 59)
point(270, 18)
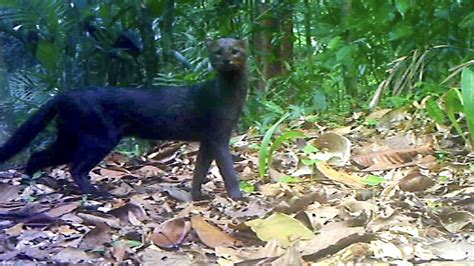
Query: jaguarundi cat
point(91, 122)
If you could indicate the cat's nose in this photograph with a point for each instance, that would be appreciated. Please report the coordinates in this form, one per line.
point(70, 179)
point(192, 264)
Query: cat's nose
point(226, 61)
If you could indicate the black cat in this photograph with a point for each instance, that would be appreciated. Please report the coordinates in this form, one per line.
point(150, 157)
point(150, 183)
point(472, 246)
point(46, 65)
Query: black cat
point(91, 122)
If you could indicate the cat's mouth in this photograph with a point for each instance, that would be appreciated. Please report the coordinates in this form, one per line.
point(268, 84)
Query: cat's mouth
point(228, 67)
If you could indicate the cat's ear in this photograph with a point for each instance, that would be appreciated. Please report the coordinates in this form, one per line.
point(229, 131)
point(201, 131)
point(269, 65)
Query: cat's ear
point(210, 42)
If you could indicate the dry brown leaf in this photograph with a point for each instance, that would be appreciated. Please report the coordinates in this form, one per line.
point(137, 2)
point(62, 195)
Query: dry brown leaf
point(331, 241)
point(63, 209)
point(73, 255)
point(109, 173)
point(124, 213)
point(149, 171)
point(388, 159)
point(300, 202)
point(99, 218)
point(15, 230)
point(171, 234)
point(415, 182)
point(339, 176)
point(152, 256)
point(8, 192)
point(96, 237)
point(119, 251)
point(275, 175)
point(455, 221)
point(211, 235)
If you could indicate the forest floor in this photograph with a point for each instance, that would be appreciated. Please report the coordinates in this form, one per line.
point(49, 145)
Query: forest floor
point(395, 191)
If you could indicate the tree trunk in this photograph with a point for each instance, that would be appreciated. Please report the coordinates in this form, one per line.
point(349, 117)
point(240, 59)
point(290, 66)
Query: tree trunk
point(348, 74)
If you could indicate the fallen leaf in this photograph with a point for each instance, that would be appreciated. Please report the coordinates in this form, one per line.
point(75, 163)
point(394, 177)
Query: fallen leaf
point(96, 237)
point(8, 192)
point(149, 171)
point(284, 228)
point(211, 235)
point(334, 148)
point(98, 218)
point(339, 176)
point(171, 233)
point(151, 257)
point(125, 212)
point(456, 251)
point(63, 209)
point(393, 158)
point(73, 255)
point(415, 182)
point(330, 240)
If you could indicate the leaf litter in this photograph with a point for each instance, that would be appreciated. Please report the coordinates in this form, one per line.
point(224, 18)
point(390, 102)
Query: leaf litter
point(395, 193)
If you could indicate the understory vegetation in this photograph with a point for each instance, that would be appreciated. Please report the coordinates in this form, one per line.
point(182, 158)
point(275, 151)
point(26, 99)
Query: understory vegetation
point(355, 144)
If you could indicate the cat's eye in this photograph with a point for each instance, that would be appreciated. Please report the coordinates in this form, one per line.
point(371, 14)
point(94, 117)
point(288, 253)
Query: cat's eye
point(235, 52)
point(218, 52)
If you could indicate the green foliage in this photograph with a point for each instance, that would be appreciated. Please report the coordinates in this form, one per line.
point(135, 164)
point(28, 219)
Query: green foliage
point(246, 186)
point(456, 102)
point(264, 157)
point(341, 51)
point(467, 91)
point(374, 180)
point(434, 111)
point(453, 105)
point(290, 179)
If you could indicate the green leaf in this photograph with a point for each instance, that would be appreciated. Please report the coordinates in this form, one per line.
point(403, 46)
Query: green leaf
point(400, 32)
point(452, 105)
point(290, 179)
point(344, 53)
point(263, 157)
point(402, 6)
point(309, 162)
point(374, 180)
point(434, 111)
point(467, 90)
point(154, 6)
point(371, 122)
point(334, 42)
point(283, 138)
point(47, 54)
point(310, 149)
point(246, 186)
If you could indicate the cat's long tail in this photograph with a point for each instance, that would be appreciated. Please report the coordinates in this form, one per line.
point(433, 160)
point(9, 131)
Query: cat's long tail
point(29, 130)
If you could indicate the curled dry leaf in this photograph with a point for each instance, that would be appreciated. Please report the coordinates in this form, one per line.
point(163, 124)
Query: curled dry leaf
point(334, 148)
point(211, 235)
point(129, 213)
point(171, 233)
point(341, 177)
point(98, 218)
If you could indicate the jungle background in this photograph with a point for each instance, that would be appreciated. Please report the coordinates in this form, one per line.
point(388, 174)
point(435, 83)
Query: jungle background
point(323, 74)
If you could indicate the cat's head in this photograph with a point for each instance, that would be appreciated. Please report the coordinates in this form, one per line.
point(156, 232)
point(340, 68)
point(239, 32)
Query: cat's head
point(228, 54)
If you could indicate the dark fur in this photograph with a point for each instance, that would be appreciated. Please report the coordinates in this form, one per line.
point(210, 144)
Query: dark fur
point(91, 122)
